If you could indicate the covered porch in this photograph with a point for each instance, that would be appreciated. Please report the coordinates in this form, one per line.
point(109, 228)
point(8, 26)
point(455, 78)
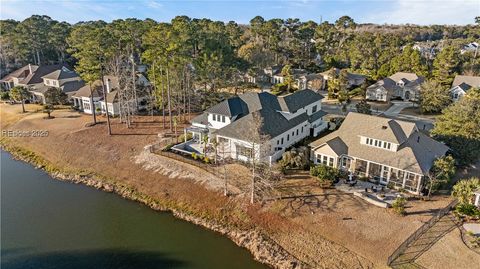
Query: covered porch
point(375, 172)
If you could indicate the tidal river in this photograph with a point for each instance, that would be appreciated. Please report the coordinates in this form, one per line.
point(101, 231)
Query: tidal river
point(46, 223)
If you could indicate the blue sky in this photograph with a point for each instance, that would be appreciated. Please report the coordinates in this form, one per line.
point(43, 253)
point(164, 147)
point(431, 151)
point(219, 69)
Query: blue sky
point(422, 12)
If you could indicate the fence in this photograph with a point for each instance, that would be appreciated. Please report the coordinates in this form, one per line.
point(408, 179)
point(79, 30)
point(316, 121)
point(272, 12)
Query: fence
point(420, 231)
point(209, 167)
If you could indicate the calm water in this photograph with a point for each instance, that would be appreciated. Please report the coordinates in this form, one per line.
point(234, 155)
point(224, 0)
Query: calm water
point(51, 224)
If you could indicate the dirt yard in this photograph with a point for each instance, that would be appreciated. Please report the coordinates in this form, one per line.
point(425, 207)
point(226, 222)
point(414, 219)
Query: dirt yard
point(323, 227)
point(450, 252)
point(370, 231)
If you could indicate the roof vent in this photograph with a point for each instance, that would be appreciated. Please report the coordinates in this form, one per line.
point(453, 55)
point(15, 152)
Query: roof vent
point(418, 139)
point(384, 127)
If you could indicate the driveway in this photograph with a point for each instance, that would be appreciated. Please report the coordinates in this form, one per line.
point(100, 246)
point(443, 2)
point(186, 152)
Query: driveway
point(397, 107)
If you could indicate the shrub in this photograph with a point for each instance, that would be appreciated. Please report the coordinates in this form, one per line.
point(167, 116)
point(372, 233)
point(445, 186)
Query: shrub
point(391, 185)
point(206, 159)
point(168, 147)
point(194, 156)
point(467, 210)
point(323, 172)
point(399, 205)
point(464, 189)
point(4, 95)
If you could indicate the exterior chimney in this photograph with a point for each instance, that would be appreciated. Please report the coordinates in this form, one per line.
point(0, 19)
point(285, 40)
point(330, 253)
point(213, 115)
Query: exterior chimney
point(107, 85)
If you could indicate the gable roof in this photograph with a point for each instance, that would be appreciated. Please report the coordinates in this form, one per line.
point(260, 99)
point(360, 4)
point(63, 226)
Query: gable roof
point(416, 151)
point(273, 124)
point(294, 101)
point(471, 81)
point(86, 92)
point(62, 73)
point(20, 73)
point(268, 107)
point(403, 75)
point(37, 75)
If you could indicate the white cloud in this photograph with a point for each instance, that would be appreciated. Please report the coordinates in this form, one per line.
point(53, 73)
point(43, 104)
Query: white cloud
point(427, 12)
point(154, 4)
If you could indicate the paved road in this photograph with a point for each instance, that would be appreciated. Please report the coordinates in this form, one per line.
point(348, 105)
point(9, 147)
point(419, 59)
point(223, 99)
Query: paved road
point(393, 112)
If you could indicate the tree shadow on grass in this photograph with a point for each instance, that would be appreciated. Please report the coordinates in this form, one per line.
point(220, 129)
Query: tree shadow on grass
point(103, 258)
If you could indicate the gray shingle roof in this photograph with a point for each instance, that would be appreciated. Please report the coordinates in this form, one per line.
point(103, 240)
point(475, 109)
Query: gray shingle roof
point(416, 152)
point(62, 73)
point(36, 76)
point(273, 124)
point(298, 99)
point(317, 115)
point(472, 81)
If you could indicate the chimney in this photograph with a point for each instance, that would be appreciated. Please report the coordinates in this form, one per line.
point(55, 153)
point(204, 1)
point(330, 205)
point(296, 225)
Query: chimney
point(107, 85)
point(30, 68)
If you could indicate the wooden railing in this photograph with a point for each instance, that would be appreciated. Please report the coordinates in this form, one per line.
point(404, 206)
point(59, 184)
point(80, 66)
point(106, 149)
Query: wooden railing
point(420, 231)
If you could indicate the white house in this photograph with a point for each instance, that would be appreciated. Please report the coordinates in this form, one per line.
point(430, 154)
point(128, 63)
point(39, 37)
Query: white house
point(405, 86)
point(82, 99)
point(470, 47)
point(112, 95)
point(285, 120)
point(391, 151)
point(461, 84)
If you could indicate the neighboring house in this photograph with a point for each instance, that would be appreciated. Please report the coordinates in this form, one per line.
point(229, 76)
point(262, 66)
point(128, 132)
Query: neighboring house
point(391, 151)
point(405, 86)
point(461, 84)
point(285, 120)
point(427, 50)
point(470, 47)
point(38, 79)
point(139, 102)
point(313, 82)
point(82, 99)
point(354, 80)
point(279, 78)
point(255, 77)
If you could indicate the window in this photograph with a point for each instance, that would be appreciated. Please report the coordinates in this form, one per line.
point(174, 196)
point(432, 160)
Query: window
point(389, 145)
point(278, 142)
point(455, 95)
point(384, 145)
point(376, 143)
point(293, 133)
point(302, 129)
point(314, 109)
point(243, 151)
point(324, 160)
point(282, 140)
point(297, 131)
point(223, 118)
point(214, 117)
point(86, 105)
point(368, 141)
point(288, 137)
point(330, 163)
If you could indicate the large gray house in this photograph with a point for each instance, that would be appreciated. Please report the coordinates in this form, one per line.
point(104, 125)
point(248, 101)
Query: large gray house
point(405, 86)
point(392, 151)
point(285, 121)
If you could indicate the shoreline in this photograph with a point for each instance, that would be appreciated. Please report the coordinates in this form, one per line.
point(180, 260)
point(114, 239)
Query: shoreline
point(262, 248)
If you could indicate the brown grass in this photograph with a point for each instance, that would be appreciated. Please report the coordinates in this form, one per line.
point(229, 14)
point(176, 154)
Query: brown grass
point(324, 227)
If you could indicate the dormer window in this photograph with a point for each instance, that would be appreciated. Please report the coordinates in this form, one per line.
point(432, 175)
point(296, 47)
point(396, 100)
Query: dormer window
point(378, 143)
point(314, 109)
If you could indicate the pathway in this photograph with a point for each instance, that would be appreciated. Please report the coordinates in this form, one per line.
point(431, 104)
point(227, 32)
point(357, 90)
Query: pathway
point(424, 242)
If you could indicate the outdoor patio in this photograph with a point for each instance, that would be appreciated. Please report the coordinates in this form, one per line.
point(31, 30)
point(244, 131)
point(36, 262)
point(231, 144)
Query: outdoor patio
point(376, 194)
